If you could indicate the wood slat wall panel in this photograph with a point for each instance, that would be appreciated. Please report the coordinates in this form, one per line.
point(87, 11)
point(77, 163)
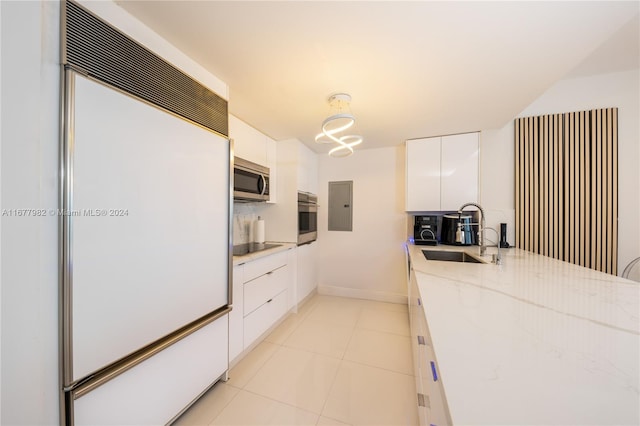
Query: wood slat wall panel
point(544, 196)
point(518, 138)
point(614, 190)
point(583, 194)
point(567, 187)
point(533, 217)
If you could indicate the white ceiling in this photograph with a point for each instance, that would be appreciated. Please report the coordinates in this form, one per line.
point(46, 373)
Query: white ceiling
point(413, 69)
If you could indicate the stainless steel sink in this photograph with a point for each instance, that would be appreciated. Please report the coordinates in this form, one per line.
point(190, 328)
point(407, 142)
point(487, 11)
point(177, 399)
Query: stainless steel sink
point(450, 256)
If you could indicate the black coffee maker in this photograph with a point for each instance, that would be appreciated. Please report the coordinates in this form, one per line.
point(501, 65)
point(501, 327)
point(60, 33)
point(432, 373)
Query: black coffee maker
point(425, 230)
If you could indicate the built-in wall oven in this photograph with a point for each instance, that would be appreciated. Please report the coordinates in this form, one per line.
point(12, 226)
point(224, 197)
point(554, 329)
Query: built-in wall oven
point(250, 181)
point(307, 217)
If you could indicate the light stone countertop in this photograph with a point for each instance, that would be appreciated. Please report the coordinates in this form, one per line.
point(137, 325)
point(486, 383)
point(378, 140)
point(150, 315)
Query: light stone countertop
point(237, 260)
point(533, 341)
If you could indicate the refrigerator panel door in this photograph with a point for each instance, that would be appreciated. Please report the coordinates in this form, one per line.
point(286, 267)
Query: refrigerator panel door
point(141, 396)
point(150, 210)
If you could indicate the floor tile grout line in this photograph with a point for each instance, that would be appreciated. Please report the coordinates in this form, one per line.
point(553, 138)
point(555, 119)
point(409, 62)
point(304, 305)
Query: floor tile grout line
point(279, 402)
point(289, 335)
point(310, 352)
point(369, 365)
point(333, 418)
point(228, 402)
point(259, 368)
point(379, 368)
point(384, 331)
point(333, 382)
point(288, 345)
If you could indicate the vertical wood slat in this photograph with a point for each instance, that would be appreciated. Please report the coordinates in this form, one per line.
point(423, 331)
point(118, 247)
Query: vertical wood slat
point(544, 196)
point(556, 194)
point(536, 185)
point(570, 216)
point(526, 193)
point(599, 190)
point(594, 195)
point(605, 192)
point(529, 205)
point(566, 187)
point(517, 139)
point(614, 190)
point(583, 157)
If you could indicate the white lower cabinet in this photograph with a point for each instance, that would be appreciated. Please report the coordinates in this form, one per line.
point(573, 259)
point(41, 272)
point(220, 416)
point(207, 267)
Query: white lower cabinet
point(260, 299)
point(260, 320)
point(432, 407)
point(260, 290)
point(307, 274)
point(236, 316)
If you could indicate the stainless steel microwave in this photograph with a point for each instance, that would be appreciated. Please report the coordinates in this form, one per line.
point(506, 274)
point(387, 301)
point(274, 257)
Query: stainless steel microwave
point(250, 181)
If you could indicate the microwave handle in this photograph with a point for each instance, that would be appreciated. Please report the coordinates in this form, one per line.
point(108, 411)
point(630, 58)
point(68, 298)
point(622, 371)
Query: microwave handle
point(264, 184)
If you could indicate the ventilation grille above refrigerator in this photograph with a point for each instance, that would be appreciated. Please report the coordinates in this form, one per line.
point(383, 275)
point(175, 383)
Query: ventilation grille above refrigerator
point(95, 48)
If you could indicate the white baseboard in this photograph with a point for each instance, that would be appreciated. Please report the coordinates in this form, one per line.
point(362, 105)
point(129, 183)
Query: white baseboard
point(357, 293)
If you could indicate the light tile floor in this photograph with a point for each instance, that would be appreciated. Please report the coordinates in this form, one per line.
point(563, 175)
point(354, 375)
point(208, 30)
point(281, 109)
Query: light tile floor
point(338, 361)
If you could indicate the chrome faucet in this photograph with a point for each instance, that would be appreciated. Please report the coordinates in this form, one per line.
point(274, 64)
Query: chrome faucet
point(496, 259)
point(483, 247)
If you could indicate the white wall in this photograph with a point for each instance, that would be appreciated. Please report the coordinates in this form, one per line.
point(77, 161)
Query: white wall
point(30, 99)
point(244, 217)
point(497, 180)
point(368, 262)
point(29, 179)
point(621, 90)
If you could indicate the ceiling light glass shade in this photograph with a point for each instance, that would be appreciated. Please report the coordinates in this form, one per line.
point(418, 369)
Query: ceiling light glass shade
point(336, 123)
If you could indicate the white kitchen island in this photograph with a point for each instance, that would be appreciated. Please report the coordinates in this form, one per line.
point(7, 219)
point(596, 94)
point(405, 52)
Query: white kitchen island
point(533, 341)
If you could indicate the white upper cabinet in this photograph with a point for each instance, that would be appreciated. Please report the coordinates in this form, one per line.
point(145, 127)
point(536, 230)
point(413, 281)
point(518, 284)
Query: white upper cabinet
point(307, 169)
point(423, 174)
point(459, 171)
point(442, 172)
point(249, 143)
point(272, 161)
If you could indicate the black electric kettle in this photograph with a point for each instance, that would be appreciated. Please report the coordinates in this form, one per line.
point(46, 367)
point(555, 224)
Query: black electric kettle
point(458, 230)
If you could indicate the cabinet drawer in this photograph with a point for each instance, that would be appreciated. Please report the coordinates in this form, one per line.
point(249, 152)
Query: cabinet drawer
point(264, 317)
point(263, 288)
point(429, 373)
point(433, 389)
point(255, 268)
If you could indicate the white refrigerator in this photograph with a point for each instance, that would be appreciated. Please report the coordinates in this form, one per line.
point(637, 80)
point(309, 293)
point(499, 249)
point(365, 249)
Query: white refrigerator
point(145, 252)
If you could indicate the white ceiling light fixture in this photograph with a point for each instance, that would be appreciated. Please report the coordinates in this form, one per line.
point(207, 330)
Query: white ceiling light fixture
point(340, 119)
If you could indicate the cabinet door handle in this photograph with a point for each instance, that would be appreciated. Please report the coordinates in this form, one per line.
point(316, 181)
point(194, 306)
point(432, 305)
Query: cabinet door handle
point(433, 371)
point(268, 301)
point(421, 340)
point(269, 273)
point(419, 302)
point(421, 401)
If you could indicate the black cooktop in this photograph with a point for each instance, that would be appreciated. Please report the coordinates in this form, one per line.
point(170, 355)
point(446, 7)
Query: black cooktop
point(242, 249)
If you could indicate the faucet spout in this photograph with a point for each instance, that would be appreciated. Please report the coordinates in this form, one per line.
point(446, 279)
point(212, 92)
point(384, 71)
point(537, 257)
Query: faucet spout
point(483, 246)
